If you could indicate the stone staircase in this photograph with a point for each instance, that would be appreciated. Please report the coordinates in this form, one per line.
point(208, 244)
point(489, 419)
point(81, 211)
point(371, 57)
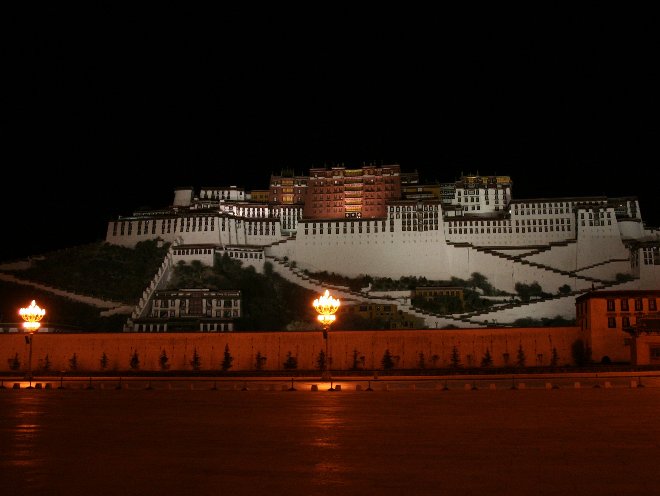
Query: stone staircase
point(521, 260)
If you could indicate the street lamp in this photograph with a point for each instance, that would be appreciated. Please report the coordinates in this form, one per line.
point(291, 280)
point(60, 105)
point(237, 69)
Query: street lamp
point(31, 315)
point(326, 306)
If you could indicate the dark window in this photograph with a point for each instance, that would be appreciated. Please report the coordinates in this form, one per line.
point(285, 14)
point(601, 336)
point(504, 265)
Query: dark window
point(610, 305)
point(638, 304)
point(611, 322)
point(625, 322)
point(624, 305)
point(652, 305)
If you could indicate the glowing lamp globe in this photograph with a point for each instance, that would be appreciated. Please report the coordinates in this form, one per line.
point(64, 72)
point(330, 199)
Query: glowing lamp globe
point(32, 315)
point(326, 306)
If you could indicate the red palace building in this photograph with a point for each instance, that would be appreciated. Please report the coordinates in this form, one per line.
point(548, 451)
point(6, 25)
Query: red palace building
point(340, 193)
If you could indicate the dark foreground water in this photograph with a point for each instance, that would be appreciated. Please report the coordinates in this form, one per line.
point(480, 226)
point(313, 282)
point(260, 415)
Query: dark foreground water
point(402, 442)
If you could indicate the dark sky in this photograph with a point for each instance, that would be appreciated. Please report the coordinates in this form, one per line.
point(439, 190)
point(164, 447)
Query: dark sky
point(108, 109)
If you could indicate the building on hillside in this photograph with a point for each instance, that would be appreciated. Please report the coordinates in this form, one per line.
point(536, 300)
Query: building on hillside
point(340, 193)
point(190, 310)
point(259, 195)
point(388, 313)
point(421, 191)
point(430, 293)
point(645, 335)
point(607, 318)
point(373, 220)
point(233, 193)
point(287, 189)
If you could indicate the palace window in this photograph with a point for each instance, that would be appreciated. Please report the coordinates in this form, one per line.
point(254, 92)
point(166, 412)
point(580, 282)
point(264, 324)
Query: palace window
point(624, 305)
point(611, 322)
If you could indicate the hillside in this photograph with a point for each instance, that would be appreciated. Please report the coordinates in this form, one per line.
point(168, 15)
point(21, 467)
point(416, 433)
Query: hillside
point(100, 270)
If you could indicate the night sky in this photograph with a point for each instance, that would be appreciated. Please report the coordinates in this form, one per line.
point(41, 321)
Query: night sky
point(108, 110)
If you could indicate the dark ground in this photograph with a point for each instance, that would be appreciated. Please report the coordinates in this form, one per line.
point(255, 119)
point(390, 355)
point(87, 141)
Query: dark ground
point(537, 441)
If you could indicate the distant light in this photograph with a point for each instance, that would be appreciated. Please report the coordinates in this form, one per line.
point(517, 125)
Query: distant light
point(326, 306)
point(32, 315)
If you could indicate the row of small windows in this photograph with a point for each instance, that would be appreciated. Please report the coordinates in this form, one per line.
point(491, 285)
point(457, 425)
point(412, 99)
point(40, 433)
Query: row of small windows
point(487, 230)
point(477, 231)
point(367, 226)
point(254, 212)
point(638, 302)
point(193, 251)
point(486, 223)
point(477, 192)
point(476, 199)
point(597, 215)
point(595, 223)
point(413, 209)
point(162, 327)
point(253, 228)
point(185, 311)
point(540, 206)
point(651, 255)
point(210, 302)
point(167, 225)
point(243, 254)
point(542, 222)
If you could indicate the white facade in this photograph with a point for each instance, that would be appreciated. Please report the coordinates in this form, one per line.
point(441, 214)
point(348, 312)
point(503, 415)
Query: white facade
point(580, 242)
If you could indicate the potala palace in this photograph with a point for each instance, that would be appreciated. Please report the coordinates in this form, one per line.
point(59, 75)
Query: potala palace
point(380, 221)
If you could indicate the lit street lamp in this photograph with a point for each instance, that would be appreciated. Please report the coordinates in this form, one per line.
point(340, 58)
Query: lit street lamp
point(31, 315)
point(326, 306)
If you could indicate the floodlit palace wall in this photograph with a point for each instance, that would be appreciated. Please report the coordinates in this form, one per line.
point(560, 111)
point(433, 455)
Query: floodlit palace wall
point(346, 349)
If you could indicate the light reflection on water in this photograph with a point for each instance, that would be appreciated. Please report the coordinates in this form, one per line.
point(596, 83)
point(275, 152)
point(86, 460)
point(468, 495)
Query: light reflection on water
point(23, 424)
point(327, 424)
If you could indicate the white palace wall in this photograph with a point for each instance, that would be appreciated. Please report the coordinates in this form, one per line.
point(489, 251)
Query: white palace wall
point(383, 254)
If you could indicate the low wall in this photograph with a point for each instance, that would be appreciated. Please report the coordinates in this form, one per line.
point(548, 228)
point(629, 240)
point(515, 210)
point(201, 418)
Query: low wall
point(346, 349)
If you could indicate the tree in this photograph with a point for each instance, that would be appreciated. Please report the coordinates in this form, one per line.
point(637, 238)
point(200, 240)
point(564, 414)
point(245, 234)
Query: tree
point(421, 360)
point(455, 358)
point(103, 361)
point(227, 359)
point(520, 357)
point(47, 363)
point(14, 363)
point(291, 362)
point(487, 359)
point(554, 358)
point(387, 361)
point(73, 362)
point(163, 360)
point(260, 361)
point(196, 362)
point(581, 353)
point(565, 289)
point(356, 362)
point(321, 360)
point(135, 360)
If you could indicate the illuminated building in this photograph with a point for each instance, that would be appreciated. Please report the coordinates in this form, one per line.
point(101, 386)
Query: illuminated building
point(380, 221)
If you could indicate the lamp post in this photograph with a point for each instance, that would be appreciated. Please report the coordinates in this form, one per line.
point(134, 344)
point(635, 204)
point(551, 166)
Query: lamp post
point(326, 306)
point(31, 315)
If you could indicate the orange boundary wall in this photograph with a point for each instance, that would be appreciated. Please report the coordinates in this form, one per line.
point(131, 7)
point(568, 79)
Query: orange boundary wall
point(404, 345)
